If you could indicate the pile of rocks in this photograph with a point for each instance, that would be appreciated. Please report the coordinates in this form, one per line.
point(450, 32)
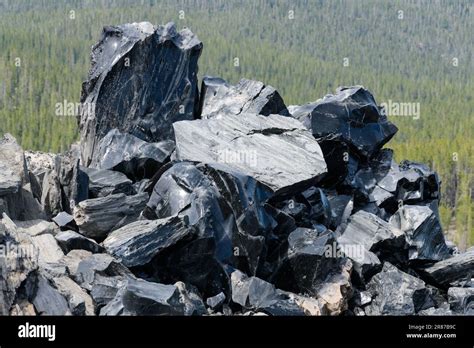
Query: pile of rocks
point(220, 201)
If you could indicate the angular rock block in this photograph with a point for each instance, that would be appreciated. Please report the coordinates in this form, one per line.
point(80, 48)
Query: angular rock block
point(99, 216)
point(19, 264)
point(458, 268)
point(137, 243)
point(395, 293)
point(48, 300)
point(98, 264)
point(353, 117)
point(80, 303)
point(70, 240)
point(225, 206)
point(104, 182)
point(387, 183)
point(275, 150)
point(423, 232)
point(140, 297)
point(130, 155)
point(313, 259)
point(218, 97)
point(461, 300)
point(142, 79)
point(366, 236)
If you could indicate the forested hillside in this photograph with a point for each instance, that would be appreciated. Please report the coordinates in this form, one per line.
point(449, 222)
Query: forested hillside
point(417, 52)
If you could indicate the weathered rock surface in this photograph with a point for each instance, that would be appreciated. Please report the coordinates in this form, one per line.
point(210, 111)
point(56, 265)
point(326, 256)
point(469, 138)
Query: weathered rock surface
point(461, 300)
point(18, 263)
point(139, 297)
point(395, 293)
point(98, 264)
point(98, 216)
point(455, 269)
point(80, 303)
point(137, 243)
point(48, 300)
point(276, 150)
point(218, 97)
point(50, 252)
point(142, 80)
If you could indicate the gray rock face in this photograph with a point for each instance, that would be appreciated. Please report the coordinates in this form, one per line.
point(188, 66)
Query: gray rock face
point(99, 216)
point(216, 301)
point(252, 292)
point(128, 154)
point(248, 96)
point(106, 182)
point(395, 293)
point(189, 297)
point(48, 300)
point(423, 232)
point(64, 220)
point(461, 300)
point(18, 265)
point(104, 289)
point(10, 182)
point(98, 264)
point(64, 185)
point(137, 243)
point(139, 297)
point(455, 269)
point(37, 227)
point(70, 240)
point(275, 150)
point(50, 252)
point(365, 236)
point(142, 80)
point(80, 303)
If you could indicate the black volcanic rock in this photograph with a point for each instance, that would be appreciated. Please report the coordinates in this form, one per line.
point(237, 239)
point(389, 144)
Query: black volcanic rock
point(218, 97)
point(227, 209)
point(395, 293)
point(97, 217)
point(128, 154)
point(104, 182)
point(140, 297)
point(461, 300)
point(223, 195)
point(315, 265)
point(365, 236)
point(142, 79)
point(423, 233)
point(70, 240)
point(353, 117)
point(137, 243)
point(452, 270)
point(276, 150)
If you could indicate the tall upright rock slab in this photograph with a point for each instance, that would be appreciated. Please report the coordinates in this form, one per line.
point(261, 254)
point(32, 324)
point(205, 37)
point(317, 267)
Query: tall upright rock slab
point(142, 79)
